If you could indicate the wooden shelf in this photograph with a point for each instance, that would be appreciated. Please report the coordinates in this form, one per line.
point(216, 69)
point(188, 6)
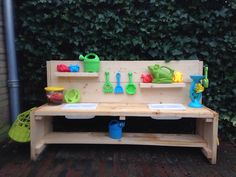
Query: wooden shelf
point(172, 85)
point(180, 140)
point(76, 74)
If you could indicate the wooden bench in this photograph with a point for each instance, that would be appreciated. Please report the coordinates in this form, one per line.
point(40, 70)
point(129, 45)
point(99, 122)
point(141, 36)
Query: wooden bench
point(123, 105)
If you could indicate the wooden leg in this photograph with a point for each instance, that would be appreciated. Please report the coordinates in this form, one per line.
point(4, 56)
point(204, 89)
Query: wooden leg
point(39, 127)
point(209, 131)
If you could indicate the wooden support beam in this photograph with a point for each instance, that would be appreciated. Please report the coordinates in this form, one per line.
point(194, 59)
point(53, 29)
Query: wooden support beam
point(208, 120)
point(122, 118)
point(207, 152)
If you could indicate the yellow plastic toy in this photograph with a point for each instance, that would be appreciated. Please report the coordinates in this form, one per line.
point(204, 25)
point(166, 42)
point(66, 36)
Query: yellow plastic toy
point(178, 77)
point(199, 88)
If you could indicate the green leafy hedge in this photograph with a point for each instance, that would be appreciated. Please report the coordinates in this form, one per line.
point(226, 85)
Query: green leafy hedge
point(131, 30)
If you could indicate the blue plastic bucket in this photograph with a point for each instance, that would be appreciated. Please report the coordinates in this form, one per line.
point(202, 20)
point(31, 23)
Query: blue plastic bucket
point(115, 129)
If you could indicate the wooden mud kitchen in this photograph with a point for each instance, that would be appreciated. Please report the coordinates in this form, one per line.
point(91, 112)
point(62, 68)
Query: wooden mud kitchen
point(90, 85)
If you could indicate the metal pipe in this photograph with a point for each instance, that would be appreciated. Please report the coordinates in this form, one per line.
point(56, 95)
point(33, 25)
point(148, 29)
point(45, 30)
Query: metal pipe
point(13, 82)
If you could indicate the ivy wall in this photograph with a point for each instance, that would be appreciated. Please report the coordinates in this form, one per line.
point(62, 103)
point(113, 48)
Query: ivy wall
point(131, 30)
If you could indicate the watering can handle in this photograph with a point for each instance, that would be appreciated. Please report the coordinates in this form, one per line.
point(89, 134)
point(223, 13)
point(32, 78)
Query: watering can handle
point(113, 122)
point(206, 71)
point(122, 124)
point(171, 70)
point(81, 57)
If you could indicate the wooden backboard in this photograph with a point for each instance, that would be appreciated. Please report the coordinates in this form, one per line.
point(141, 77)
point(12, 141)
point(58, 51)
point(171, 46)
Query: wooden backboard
point(91, 87)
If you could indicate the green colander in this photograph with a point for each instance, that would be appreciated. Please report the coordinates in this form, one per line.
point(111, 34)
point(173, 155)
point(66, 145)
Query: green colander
point(20, 129)
point(72, 96)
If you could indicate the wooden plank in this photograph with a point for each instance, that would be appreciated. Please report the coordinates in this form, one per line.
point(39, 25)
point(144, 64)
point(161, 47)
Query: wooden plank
point(2, 50)
point(39, 148)
point(1, 29)
point(209, 132)
point(38, 130)
point(119, 109)
point(2, 40)
point(49, 73)
point(3, 77)
point(4, 103)
point(91, 89)
point(3, 91)
point(172, 85)
point(2, 62)
point(76, 74)
point(3, 96)
point(92, 92)
point(122, 118)
point(214, 139)
point(207, 152)
point(180, 140)
point(3, 84)
point(187, 67)
point(3, 70)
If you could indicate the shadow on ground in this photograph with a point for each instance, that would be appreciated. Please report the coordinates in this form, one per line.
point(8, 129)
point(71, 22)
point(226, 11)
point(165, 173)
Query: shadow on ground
point(114, 161)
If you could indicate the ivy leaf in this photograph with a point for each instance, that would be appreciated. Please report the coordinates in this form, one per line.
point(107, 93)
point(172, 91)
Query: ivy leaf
point(193, 57)
point(166, 48)
point(221, 12)
point(153, 53)
point(212, 44)
point(177, 52)
point(205, 53)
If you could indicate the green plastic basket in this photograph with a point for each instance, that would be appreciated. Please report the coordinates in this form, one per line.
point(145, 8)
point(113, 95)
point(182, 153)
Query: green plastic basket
point(20, 129)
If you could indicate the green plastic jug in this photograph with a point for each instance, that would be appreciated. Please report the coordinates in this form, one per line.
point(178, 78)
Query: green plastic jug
point(91, 62)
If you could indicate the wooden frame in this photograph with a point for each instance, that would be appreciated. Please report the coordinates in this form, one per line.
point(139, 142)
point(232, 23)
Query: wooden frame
point(123, 106)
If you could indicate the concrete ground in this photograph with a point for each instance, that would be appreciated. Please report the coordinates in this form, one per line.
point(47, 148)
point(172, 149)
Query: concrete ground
point(114, 161)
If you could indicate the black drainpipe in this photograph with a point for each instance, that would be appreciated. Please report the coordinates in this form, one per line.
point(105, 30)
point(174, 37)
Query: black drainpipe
point(13, 82)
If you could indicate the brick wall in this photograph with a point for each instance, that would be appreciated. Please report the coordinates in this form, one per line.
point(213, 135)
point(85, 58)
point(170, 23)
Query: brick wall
point(4, 106)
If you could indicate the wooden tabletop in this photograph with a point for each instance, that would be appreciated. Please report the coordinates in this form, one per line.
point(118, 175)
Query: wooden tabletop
point(126, 109)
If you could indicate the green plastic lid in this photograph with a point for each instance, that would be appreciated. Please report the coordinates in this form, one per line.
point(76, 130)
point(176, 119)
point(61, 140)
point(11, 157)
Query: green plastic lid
point(72, 96)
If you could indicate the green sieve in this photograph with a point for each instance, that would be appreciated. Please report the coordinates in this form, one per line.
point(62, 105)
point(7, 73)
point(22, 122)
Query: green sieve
point(72, 96)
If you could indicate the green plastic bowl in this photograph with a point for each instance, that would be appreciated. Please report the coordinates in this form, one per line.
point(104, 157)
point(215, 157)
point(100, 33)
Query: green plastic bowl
point(72, 96)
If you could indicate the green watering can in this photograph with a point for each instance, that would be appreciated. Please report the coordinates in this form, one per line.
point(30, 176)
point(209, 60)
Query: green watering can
point(91, 62)
point(161, 74)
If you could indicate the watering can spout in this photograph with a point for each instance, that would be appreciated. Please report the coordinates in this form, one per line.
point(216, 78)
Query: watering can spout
point(81, 57)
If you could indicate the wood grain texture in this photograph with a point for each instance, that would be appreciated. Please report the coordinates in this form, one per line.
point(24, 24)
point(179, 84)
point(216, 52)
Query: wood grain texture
point(172, 85)
point(3, 90)
point(209, 132)
point(38, 130)
point(125, 105)
point(91, 88)
point(123, 109)
point(180, 140)
point(3, 70)
point(76, 74)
